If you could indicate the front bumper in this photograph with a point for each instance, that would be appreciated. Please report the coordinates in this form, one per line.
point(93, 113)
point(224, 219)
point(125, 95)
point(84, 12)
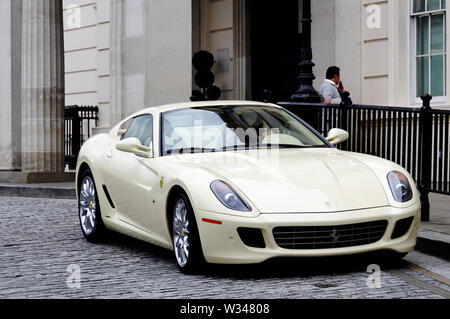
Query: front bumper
point(222, 244)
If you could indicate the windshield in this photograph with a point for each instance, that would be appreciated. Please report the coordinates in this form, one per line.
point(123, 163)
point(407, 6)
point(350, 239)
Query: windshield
point(214, 129)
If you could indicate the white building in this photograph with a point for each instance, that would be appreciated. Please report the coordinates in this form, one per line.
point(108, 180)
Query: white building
point(390, 52)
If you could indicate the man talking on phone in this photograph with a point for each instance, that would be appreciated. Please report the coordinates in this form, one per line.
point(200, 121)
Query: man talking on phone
point(332, 87)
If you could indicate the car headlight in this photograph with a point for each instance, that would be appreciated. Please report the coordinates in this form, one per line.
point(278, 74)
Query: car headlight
point(228, 197)
point(400, 187)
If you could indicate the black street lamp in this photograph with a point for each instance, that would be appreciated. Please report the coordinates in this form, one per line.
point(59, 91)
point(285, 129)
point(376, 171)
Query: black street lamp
point(306, 92)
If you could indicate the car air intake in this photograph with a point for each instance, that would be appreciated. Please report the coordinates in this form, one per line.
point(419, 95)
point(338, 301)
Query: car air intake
point(401, 227)
point(324, 237)
point(252, 237)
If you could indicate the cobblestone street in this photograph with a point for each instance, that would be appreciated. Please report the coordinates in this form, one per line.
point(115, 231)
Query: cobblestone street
point(41, 238)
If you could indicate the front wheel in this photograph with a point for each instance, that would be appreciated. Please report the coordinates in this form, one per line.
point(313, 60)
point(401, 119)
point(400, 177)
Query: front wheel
point(89, 209)
point(186, 239)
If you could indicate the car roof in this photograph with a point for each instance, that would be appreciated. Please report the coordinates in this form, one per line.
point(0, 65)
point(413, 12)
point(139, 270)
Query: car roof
point(184, 105)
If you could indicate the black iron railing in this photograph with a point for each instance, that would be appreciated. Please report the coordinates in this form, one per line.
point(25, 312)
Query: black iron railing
point(415, 138)
point(79, 121)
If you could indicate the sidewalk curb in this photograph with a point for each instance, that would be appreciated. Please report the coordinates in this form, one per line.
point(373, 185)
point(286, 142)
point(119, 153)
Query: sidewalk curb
point(38, 192)
point(433, 246)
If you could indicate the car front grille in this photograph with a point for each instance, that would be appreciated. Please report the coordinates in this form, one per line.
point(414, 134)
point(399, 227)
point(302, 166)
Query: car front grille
point(324, 237)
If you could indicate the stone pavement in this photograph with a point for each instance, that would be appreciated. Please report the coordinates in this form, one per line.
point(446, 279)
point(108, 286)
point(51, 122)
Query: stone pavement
point(43, 254)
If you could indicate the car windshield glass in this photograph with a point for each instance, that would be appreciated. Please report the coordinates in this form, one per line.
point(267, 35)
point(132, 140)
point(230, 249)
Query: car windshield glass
point(215, 129)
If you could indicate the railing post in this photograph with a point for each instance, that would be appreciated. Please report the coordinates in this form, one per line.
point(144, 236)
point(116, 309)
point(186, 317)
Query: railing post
point(426, 124)
point(76, 137)
point(343, 114)
point(344, 108)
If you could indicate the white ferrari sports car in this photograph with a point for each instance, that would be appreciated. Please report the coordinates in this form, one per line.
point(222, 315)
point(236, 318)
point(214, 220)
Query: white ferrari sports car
point(237, 182)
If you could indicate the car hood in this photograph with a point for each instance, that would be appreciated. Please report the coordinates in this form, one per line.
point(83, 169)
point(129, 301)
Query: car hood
point(297, 180)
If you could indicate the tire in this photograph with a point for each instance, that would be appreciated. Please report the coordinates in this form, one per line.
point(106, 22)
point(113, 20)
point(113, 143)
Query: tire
point(89, 212)
point(186, 240)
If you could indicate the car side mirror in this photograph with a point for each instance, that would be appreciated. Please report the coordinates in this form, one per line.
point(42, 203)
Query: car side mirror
point(134, 146)
point(337, 136)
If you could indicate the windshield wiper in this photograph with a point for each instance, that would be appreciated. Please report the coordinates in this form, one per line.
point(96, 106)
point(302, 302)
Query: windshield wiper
point(316, 146)
point(283, 146)
point(291, 146)
point(237, 147)
point(265, 146)
point(191, 150)
point(261, 146)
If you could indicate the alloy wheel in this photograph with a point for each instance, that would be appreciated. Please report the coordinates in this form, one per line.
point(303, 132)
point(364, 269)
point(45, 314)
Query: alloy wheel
point(88, 206)
point(181, 232)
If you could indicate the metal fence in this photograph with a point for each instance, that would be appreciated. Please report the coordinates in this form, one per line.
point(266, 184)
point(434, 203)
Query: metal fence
point(79, 121)
point(415, 138)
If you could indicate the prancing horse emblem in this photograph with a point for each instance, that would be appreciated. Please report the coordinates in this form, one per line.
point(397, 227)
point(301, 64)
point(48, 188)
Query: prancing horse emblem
point(327, 204)
point(334, 236)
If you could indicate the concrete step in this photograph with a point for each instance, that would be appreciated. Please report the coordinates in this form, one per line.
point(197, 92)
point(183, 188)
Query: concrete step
point(53, 190)
point(433, 241)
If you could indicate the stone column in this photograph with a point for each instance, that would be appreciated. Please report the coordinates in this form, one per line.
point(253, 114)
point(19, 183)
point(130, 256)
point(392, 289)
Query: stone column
point(42, 91)
point(150, 55)
point(10, 63)
point(168, 46)
point(115, 49)
point(128, 58)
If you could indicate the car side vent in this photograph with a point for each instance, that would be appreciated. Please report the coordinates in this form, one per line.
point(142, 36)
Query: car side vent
point(252, 237)
point(401, 227)
point(108, 197)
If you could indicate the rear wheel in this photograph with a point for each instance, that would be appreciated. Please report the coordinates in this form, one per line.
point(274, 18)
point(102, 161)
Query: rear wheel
point(186, 239)
point(89, 209)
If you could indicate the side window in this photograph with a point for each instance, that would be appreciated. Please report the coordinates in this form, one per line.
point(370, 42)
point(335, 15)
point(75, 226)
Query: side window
point(142, 129)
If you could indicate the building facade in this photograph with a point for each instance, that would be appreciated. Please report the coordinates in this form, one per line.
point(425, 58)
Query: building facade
point(86, 49)
point(124, 55)
point(390, 52)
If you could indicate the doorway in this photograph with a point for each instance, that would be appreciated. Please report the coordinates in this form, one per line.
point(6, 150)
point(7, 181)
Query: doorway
point(274, 48)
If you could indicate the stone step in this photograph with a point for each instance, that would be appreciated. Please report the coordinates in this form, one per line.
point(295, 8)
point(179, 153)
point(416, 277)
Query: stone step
point(53, 190)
